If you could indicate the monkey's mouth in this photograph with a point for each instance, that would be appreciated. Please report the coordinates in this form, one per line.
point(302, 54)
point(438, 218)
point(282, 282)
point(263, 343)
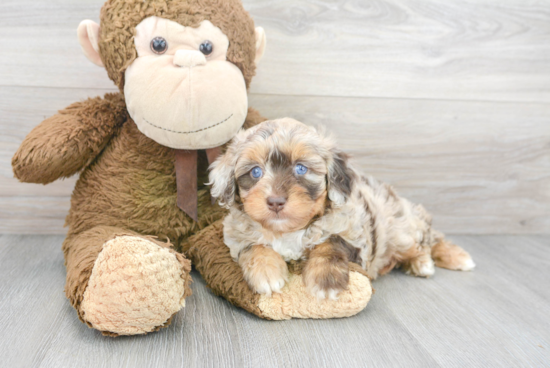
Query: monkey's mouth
point(190, 131)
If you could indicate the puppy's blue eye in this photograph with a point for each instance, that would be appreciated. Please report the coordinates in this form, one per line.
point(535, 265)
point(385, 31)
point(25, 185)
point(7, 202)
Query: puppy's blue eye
point(256, 172)
point(300, 169)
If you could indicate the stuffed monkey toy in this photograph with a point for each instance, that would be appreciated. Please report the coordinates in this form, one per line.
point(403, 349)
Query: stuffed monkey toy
point(183, 68)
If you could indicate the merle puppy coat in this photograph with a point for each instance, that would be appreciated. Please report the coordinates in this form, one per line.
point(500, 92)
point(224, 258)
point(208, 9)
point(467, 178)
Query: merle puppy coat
point(293, 195)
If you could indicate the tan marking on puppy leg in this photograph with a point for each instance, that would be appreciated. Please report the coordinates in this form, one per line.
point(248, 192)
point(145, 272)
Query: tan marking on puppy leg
point(264, 269)
point(326, 272)
point(451, 256)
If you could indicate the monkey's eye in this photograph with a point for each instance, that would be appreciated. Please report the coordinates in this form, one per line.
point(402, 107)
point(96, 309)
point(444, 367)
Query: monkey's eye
point(159, 45)
point(206, 47)
point(256, 172)
point(300, 169)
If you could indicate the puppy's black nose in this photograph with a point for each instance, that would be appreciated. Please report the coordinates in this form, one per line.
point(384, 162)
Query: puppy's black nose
point(276, 204)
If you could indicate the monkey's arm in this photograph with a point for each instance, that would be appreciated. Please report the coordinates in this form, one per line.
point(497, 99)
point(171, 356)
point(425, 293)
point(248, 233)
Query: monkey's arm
point(212, 258)
point(67, 142)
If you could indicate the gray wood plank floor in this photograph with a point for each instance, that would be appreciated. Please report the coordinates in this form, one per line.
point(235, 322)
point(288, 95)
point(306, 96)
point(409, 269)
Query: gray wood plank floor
point(496, 316)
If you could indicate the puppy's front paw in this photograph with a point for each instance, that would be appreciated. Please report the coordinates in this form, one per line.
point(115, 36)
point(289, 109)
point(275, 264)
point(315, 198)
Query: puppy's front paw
point(264, 269)
point(326, 277)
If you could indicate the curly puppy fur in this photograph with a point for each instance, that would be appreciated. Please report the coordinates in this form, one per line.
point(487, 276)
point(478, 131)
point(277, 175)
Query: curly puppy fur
point(327, 216)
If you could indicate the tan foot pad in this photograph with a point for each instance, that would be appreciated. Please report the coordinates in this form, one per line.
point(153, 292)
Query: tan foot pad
point(296, 302)
point(135, 286)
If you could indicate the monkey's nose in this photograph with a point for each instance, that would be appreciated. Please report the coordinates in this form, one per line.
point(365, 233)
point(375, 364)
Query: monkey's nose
point(189, 58)
point(276, 204)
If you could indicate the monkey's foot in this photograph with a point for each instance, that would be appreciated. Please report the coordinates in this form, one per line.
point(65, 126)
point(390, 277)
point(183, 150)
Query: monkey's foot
point(136, 286)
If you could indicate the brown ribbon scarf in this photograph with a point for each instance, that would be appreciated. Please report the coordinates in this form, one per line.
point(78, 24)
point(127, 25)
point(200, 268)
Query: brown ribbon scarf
point(186, 179)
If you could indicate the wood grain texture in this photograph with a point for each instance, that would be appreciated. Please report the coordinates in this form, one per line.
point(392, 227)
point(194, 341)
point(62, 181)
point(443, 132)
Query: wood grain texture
point(456, 49)
point(478, 167)
point(495, 316)
point(448, 101)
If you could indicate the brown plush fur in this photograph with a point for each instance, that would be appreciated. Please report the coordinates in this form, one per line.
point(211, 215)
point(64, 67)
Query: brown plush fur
point(222, 274)
point(68, 142)
point(127, 186)
point(133, 186)
point(120, 17)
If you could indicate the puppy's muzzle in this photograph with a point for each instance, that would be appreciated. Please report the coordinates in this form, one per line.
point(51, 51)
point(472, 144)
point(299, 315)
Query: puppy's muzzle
point(276, 204)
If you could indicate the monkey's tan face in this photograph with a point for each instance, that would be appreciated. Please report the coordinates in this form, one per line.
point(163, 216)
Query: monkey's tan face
point(282, 183)
point(181, 91)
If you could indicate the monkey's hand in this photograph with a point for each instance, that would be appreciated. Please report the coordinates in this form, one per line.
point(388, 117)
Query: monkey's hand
point(67, 142)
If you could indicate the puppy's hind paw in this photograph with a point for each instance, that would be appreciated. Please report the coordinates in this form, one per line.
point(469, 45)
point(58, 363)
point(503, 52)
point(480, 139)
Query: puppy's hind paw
point(451, 256)
point(467, 265)
point(422, 266)
point(426, 269)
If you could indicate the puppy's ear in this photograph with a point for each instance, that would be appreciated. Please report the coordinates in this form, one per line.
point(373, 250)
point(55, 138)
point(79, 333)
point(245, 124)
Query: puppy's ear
point(222, 175)
point(340, 177)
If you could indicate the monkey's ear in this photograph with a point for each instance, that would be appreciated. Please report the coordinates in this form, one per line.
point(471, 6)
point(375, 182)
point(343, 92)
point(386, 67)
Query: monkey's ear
point(260, 44)
point(88, 36)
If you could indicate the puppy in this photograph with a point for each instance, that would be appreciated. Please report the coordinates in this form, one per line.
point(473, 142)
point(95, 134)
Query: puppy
point(293, 195)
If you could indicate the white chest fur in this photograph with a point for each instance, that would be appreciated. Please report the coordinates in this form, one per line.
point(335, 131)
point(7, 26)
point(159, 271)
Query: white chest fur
point(240, 232)
point(290, 246)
